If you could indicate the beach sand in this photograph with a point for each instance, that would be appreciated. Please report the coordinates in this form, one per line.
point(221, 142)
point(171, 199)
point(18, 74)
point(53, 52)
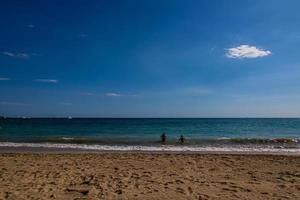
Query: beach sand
point(148, 176)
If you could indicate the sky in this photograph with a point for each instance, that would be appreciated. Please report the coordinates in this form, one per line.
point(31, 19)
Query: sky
point(133, 58)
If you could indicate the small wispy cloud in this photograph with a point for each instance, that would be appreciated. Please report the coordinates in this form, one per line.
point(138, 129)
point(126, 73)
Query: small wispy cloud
point(30, 26)
point(4, 79)
point(87, 93)
point(112, 94)
point(246, 51)
point(115, 94)
point(186, 91)
point(7, 103)
point(16, 55)
point(108, 94)
point(46, 80)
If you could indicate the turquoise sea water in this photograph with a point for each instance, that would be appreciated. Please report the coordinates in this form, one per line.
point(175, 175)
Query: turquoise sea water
point(200, 133)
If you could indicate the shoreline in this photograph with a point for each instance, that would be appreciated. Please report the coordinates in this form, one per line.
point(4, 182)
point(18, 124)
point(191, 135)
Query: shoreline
point(45, 150)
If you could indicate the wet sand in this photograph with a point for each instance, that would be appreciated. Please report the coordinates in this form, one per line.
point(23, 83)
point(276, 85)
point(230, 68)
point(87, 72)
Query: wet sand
point(148, 176)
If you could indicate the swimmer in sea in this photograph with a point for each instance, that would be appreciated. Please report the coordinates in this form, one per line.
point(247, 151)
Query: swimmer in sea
point(163, 138)
point(181, 139)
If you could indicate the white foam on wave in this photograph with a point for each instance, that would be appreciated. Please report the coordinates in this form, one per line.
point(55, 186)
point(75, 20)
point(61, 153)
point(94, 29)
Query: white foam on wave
point(67, 138)
point(164, 148)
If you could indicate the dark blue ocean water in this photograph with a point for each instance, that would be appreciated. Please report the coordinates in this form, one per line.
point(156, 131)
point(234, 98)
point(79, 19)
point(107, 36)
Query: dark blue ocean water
point(146, 132)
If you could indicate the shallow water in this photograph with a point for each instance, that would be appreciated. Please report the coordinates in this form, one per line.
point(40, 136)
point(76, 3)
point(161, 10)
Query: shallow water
point(103, 133)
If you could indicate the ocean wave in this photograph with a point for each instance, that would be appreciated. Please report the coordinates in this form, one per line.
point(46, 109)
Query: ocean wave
point(67, 138)
point(161, 148)
point(171, 141)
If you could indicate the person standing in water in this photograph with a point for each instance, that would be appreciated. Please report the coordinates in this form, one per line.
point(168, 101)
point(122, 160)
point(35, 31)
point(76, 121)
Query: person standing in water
point(163, 138)
point(181, 139)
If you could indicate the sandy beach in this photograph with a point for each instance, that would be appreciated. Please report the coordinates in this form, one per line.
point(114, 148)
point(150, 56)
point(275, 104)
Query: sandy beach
point(148, 176)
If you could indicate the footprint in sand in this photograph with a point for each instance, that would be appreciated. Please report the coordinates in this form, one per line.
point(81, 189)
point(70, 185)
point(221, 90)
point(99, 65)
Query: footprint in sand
point(78, 190)
point(180, 190)
point(190, 190)
point(203, 197)
point(179, 181)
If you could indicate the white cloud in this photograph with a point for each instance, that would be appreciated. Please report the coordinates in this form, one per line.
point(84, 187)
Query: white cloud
point(112, 94)
point(16, 55)
point(31, 26)
point(4, 79)
point(8, 54)
point(6, 103)
point(246, 51)
point(109, 94)
point(46, 80)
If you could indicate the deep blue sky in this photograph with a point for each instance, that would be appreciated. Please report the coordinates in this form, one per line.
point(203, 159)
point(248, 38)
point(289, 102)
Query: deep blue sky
point(206, 58)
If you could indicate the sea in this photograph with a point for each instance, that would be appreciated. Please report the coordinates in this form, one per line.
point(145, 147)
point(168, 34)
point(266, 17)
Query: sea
point(272, 135)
